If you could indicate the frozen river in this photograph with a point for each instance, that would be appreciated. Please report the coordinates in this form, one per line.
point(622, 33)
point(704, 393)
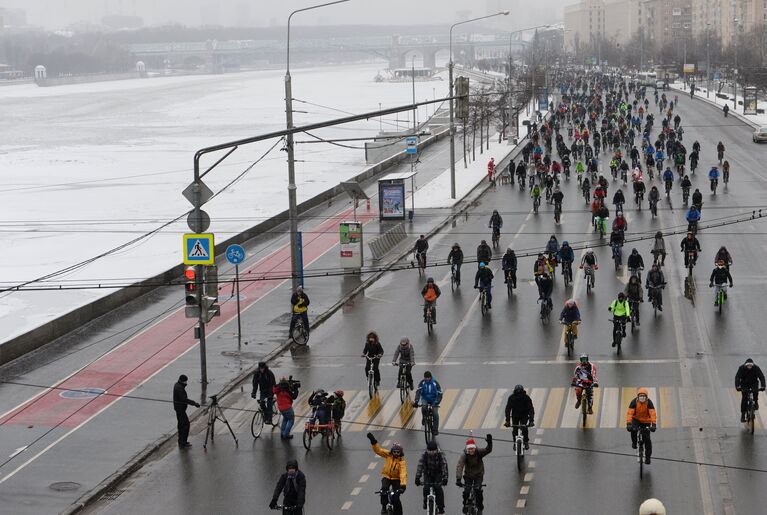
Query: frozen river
point(87, 168)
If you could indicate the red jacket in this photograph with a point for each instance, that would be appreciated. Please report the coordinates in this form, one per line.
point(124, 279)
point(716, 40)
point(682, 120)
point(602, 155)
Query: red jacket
point(284, 399)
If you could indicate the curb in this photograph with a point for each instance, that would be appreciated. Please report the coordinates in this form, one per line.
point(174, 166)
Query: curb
point(711, 103)
point(166, 440)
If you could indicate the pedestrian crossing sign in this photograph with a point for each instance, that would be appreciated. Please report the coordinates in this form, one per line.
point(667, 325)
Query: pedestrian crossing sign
point(199, 249)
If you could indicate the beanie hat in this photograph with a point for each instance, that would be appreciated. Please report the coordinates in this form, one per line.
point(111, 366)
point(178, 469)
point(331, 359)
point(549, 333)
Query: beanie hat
point(471, 444)
point(432, 445)
point(749, 360)
point(652, 507)
point(182, 378)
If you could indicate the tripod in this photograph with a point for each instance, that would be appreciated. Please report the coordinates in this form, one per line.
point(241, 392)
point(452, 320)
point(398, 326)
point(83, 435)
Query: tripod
point(216, 413)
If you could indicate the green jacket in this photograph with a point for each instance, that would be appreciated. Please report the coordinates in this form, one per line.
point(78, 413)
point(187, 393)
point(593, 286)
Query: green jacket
point(620, 309)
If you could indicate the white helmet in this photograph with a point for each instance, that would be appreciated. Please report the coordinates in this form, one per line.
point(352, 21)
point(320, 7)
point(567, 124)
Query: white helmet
point(652, 507)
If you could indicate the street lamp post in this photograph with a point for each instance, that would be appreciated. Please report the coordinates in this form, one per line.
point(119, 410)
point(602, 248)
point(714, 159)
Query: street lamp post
point(511, 96)
point(450, 79)
point(292, 205)
point(708, 61)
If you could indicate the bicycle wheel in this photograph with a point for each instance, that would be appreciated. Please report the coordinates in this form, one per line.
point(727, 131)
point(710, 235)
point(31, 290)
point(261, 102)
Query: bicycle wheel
point(300, 335)
point(428, 429)
point(337, 429)
point(308, 439)
point(330, 438)
point(570, 343)
point(520, 455)
point(584, 406)
point(640, 453)
point(483, 303)
point(403, 393)
point(720, 301)
point(429, 325)
point(276, 418)
point(750, 417)
point(452, 282)
point(371, 384)
point(431, 507)
point(257, 424)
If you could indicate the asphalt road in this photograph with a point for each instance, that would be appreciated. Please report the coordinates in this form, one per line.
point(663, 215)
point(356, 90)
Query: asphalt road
point(687, 356)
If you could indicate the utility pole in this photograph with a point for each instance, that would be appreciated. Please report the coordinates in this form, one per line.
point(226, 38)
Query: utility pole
point(708, 60)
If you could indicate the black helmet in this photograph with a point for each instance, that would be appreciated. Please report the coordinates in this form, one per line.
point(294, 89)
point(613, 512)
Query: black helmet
point(519, 388)
point(432, 445)
point(291, 464)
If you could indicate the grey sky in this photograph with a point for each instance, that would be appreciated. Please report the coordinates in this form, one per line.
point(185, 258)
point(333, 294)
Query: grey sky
point(59, 13)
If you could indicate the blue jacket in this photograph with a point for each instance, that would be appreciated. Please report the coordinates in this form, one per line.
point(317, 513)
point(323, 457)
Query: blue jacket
point(668, 175)
point(693, 216)
point(570, 315)
point(713, 173)
point(429, 391)
point(566, 254)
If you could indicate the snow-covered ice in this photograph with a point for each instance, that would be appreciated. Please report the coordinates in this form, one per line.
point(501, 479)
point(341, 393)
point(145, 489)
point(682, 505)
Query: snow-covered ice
point(88, 167)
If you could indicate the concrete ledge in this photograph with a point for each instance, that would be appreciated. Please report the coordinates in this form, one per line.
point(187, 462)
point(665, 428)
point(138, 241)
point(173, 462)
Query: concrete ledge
point(68, 322)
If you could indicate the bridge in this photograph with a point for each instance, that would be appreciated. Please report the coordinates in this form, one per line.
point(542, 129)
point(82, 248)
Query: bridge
point(398, 50)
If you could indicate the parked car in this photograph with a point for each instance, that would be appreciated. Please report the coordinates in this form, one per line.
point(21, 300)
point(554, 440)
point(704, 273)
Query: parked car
point(760, 135)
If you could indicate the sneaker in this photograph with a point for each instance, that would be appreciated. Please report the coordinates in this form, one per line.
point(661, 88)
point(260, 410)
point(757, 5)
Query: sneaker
point(577, 403)
point(186, 445)
point(591, 411)
point(424, 504)
point(527, 446)
point(633, 446)
point(646, 460)
point(624, 333)
point(613, 344)
point(435, 432)
point(660, 308)
point(742, 417)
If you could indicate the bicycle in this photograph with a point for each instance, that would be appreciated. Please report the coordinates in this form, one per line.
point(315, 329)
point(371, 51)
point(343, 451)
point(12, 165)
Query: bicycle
point(372, 385)
point(669, 185)
point(617, 256)
point(428, 421)
point(602, 226)
point(750, 410)
point(519, 444)
point(720, 296)
point(324, 431)
point(470, 504)
point(654, 294)
point(638, 198)
point(619, 327)
point(421, 259)
point(588, 273)
point(557, 212)
point(569, 337)
point(483, 300)
point(300, 333)
point(454, 282)
point(431, 499)
point(509, 282)
point(586, 194)
point(258, 421)
point(726, 175)
point(567, 272)
point(402, 383)
point(536, 204)
point(545, 309)
point(496, 238)
point(429, 319)
point(634, 315)
point(587, 398)
point(641, 432)
point(685, 195)
point(390, 500)
point(714, 183)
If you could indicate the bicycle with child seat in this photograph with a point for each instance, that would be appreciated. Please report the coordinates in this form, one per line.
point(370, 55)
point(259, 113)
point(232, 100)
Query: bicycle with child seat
point(259, 418)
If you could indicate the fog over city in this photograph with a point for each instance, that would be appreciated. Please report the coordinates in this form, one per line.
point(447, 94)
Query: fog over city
point(55, 14)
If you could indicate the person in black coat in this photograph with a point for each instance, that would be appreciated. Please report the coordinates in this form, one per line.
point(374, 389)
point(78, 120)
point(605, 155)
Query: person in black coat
point(374, 351)
point(520, 412)
point(263, 380)
point(749, 376)
point(180, 402)
point(292, 486)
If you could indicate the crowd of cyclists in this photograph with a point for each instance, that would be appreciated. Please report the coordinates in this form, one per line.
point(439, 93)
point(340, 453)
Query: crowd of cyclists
point(597, 120)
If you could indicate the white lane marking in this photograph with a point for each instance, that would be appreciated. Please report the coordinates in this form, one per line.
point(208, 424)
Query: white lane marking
point(531, 464)
point(524, 490)
point(19, 450)
point(372, 465)
point(607, 361)
point(570, 416)
point(529, 477)
point(609, 407)
point(520, 503)
point(494, 413)
point(460, 409)
point(512, 362)
point(356, 491)
point(534, 452)
point(364, 478)
point(347, 505)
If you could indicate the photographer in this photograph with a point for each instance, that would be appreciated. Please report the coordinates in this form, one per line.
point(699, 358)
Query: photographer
point(286, 392)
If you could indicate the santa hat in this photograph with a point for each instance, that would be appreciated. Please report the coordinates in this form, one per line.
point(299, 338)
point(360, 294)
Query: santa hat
point(471, 444)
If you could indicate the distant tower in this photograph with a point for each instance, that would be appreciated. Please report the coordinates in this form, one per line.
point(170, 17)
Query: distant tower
point(141, 68)
point(40, 74)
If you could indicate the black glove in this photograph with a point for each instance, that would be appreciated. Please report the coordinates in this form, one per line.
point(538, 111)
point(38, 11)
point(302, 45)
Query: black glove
point(628, 427)
point(253, 395)
point(415, 404)
point(489, 438)
point(418, 481)
point(738, 389)
point(444, 482)
point(372, 439)
point(653, 427)
point(531, 423)
point(459, 484)
point(273, 505)
point(196, 404)
point(711, 285)
point(507, 424)
point(761, 389)
point(402, 489)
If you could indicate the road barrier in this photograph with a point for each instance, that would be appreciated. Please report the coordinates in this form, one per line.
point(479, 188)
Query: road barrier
point(387, 241)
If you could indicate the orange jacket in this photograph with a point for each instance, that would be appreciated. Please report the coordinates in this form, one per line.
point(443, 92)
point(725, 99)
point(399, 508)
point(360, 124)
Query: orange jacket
point(643, 412)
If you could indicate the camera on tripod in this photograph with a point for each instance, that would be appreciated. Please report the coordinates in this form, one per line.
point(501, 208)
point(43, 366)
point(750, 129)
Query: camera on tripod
point(294, 384)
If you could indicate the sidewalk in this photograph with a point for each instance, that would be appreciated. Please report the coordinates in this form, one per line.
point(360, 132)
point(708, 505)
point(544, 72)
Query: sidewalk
point(754, 120)
point(78, 439)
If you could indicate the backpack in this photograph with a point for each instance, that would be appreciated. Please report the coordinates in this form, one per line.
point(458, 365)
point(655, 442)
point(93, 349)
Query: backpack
point(430, 295)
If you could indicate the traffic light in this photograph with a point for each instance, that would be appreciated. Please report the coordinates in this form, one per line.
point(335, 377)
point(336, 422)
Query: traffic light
point(462, 91)
point(210, 293)
point(191, 287)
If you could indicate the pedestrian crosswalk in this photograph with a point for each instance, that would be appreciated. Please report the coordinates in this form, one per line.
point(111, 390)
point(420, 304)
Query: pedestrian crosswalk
point(484, 408)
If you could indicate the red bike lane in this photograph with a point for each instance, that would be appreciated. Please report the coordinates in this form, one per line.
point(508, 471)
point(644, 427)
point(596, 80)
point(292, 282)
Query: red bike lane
point(137, 359)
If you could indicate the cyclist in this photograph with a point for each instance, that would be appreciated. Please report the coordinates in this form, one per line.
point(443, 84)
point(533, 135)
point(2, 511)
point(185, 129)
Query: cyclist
point(484, 253)
point(686, 185)
point(726, 171)
point(749, 377)
point(713, 177)
point(455, 260)
point(430, 393)
point(635, 263)
point(263, 380)
point(420, 248)
point(694, 157)
point(570, 314)
point(654, 196)
point(654, 283)
point(535, 194)
point(496, 222)
point(640, 415)
point(697, 199)
point(690, 244)
point(618, 201)
point(589, 259)
point(668, 179)
point(373, 350)
point(723, 255)
point(509, 265)
point(432, 467)
point(720, 151)
point(579, 169)
point(639, 190)
point(557, 197)
point(404, 355)
point(520, 412)
point(616, 239)
point(545, 288)
point(585, 377)
point(484, 279)
point(585, 187)
point(300, 302)
point(393, 473)
point(566, 255)
point(620, 224)
point(318, 401)
point(430, 294)
point(552, 248)
point(692, 217)
point(621, 312)
point(720, 275)
point(292, 486)
point(472, 469)
point(634, 293)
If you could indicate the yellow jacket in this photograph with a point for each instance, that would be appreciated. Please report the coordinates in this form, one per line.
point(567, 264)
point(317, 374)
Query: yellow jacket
point(394, 468)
